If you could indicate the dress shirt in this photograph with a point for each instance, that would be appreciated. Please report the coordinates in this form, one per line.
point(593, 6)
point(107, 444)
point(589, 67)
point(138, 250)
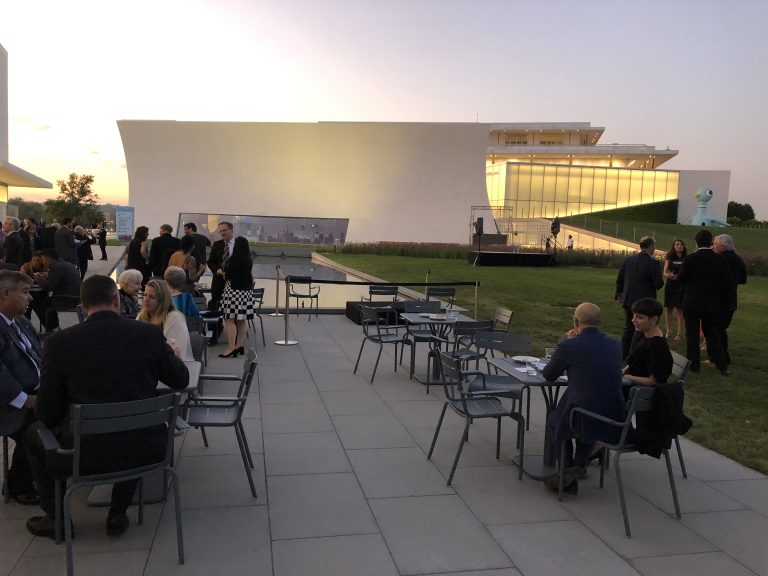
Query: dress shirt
point(19, 401)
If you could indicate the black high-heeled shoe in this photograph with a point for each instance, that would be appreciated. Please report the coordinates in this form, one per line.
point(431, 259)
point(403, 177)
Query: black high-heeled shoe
point(232, 354)
point(241, 350)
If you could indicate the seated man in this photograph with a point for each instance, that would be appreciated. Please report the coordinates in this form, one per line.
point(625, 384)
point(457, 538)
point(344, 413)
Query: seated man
point(20, 356)
point(61, 278)
point(592, 361)
point(129, 360)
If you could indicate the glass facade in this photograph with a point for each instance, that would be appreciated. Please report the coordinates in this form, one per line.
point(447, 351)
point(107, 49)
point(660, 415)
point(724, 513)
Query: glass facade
point(547, 191)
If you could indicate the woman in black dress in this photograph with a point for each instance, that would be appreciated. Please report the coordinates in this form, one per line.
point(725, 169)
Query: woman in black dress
point(237, 299)
point(673, 290)
point(137, 258)
point(649, 361)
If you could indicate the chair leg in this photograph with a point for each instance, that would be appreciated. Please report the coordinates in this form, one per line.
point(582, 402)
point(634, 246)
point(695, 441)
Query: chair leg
point(376, 366)
point(263, 338)
point(464, 437)
point(205, 438)
point(242, 444)
point(68, 529)
point(6, 471)
point(672, 485)
point(245, 463)
point(521, 439)
point(680, 457)
point(622, 500)
point(603, 465)
point(177, 506)
point(561, 471)
point(141, 497)
point(437, 431)
point(527, 391)
point(57, 521)
point(498, 437)
point(359, 354)
point(245, 442)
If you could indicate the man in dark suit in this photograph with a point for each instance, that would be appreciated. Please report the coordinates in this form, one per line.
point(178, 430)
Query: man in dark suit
point(64, 242)
point(102, 236)
point(13, 243)
point(5, 265)
point(220, 253)
point(639, 277)
point(201, 242)
point(705, 278)
point(60, 279)
point(20, 363)
point(105, 359)
point(723, 245)
point(162, 248)
point(592, 361)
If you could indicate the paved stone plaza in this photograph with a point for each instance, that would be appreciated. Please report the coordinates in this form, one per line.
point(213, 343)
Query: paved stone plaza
point(345, 489)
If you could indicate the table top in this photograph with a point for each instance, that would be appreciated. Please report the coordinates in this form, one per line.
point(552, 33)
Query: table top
point(194, 368)
point(420, 318)
point(520, 372)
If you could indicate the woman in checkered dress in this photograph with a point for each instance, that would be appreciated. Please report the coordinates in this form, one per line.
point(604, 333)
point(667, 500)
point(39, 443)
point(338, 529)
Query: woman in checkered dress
point(237, 301)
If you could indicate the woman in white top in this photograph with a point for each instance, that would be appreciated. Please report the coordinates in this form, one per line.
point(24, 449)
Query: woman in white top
point(157, 308)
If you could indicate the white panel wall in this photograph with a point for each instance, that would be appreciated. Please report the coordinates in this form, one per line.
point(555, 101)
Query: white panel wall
point(691, 180)
point(399, 182)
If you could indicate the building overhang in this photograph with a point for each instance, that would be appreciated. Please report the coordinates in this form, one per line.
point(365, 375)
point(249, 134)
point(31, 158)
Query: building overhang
point(11, 175)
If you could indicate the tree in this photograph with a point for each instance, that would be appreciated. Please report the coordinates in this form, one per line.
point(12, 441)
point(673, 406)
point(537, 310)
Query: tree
point(743, 212)
point(76, 200)
point(27, 208)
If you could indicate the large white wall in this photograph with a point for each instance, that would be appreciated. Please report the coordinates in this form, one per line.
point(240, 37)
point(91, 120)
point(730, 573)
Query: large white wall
point(394, 181)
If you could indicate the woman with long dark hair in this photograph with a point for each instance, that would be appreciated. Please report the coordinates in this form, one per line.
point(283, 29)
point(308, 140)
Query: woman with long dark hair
point(673, 290)
point(237, 299)
point(138, 257)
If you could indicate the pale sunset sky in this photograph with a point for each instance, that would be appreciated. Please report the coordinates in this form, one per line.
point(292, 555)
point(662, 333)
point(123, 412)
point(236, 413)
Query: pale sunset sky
point(691, 75)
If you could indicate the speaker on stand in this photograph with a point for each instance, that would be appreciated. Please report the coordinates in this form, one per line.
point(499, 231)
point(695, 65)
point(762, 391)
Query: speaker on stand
point(479, 234)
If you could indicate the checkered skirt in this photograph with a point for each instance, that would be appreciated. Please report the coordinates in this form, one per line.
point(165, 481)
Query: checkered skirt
point(237, 304)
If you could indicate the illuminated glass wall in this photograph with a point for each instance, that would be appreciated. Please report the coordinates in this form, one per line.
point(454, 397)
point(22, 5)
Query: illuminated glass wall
point(546, 191)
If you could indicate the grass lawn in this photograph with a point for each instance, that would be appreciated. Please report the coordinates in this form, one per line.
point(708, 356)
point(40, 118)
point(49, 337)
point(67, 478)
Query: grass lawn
point(730, 413)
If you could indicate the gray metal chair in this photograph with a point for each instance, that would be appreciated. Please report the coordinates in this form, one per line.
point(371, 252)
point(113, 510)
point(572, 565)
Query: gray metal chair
point(258, 299)
point(300, 287)
point(464, 344)
point(503, 318)
point(380, 327)
point(473, 406)
point(413, 336)
point(680, 367)
point(198, 337)
point(640, 400)
point(447, 293)
point(226, 411)
point(6, 471)
point(95, 419)
point(388, 292)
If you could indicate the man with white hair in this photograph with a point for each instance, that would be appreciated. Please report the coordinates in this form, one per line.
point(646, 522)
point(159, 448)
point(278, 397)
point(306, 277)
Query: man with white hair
point(723, 245)
point(13, 243)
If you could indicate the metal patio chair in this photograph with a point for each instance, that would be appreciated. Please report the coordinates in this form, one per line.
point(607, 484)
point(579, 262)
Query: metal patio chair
point(300, 287)
point(380, 327)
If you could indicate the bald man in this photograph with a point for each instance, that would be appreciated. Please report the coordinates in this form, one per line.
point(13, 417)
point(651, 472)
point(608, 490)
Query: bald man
point(592, 362)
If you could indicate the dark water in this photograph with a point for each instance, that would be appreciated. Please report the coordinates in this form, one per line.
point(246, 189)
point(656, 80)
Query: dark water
point(264, 267)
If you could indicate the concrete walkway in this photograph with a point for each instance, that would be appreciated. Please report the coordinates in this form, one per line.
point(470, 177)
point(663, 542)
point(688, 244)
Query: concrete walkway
point(345, 489)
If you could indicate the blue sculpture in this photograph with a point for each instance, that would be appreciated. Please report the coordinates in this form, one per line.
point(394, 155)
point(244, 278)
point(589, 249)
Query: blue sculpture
point(703, 217)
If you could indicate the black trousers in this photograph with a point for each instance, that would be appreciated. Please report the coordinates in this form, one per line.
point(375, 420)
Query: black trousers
point(47, 466)
point(707, 319)
point(20, 479)
point(723, 324)
point(579, 456)
point(628, 333)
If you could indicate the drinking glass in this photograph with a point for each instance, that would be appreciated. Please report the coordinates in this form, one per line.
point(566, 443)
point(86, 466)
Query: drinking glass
point(548, 353)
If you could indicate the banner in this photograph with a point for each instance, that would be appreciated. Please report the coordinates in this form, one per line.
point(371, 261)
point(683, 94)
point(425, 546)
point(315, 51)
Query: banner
point(124, 223)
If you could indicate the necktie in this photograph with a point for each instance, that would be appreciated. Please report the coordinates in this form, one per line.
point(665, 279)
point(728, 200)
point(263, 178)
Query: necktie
point(225, 256)
point(27, 345)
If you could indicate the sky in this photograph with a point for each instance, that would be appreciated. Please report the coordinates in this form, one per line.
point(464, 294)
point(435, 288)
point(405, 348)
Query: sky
point(691, 75)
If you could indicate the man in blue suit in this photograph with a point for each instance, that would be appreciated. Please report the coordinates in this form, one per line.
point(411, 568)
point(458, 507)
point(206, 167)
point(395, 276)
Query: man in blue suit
point(592, 362)
point(639, 277)
point(20, 362)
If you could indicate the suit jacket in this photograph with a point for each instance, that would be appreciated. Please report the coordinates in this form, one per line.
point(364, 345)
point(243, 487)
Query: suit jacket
point(705, 278)
point(639, 277)
point(738, 275)
point(160, 252)
point(105, 359)
point(18, 372)
point(201, 244)
point(14, 248)
point(214, 264)
point(64, 244)
point(63, 279)
point(592, 361)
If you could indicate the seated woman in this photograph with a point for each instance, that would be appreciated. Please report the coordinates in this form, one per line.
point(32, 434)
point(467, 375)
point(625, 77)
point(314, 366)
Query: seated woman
point(157, 308)
point(130, 284)
point(649, 361)
point(183, 259)
point(34, 265)
point(175, 277)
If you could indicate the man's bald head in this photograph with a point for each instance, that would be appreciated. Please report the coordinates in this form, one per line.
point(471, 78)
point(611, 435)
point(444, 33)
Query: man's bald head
point(588, 314)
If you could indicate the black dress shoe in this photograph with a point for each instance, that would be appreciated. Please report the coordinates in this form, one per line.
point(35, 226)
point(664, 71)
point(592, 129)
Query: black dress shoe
point(117, 524)
point(26, 499)
point(42, 526)
point(570, 484)
point(578, 472)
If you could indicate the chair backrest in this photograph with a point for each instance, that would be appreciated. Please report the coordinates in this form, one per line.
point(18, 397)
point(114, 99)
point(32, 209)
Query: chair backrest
point(442, 292)
point(465, 332)
point(452, 377)
point(386, 291)
point(640, 400)
point(194, 324)
point(250, 369)
point(377, 321)
point(680, 366)
point(95, 419)
point(501, 341)
point(197, 342)
point(421, 306)
point(503, 317)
